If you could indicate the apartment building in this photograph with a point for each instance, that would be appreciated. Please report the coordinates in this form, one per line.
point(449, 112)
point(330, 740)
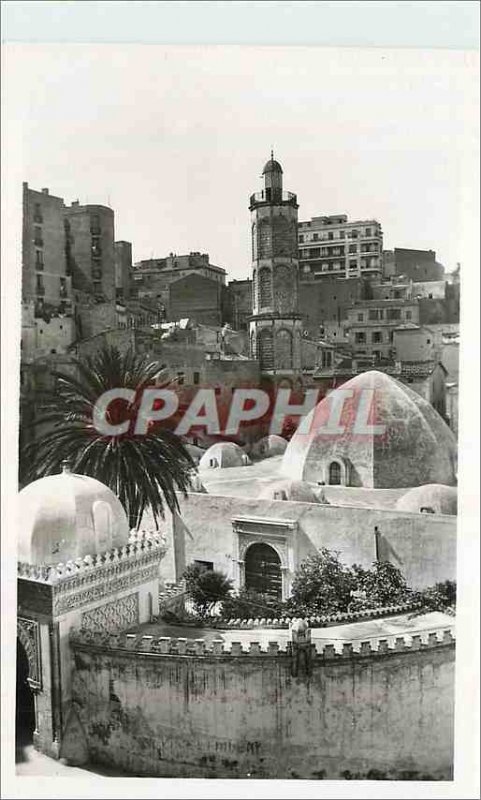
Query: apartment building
point(46, 281)
point(371, 325)
point(334, 247)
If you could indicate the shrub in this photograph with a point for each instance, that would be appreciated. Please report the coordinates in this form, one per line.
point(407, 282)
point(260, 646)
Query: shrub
point(440, 597)
point(248, 604)
point(205, 587)
point(382, 585)
point(321, 585)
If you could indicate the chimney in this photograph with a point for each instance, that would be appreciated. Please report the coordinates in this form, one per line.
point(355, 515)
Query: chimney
point(45, 191)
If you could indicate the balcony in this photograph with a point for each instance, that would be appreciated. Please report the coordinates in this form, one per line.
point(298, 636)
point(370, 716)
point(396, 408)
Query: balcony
point(273, 196)
point(40, 291)
point(95, 230)
point(38, 241)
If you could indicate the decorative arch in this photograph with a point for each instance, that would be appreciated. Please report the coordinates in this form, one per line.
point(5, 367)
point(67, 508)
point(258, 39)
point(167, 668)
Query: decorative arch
point(265, 348)
point(103, 524)
point(284, 349)
point(28, 636)
point(265, 287)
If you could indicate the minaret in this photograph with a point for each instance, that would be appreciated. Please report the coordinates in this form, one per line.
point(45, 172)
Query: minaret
point(276, 325)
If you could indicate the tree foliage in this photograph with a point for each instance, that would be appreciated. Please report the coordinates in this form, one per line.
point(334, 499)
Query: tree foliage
point(206, 587)
point(248, 604)
point(321, 585)
point(143, 470)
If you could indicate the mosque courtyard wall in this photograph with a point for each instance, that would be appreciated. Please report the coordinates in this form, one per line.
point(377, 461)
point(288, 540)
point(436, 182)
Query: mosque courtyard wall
point(217, 528)
point(178, 708)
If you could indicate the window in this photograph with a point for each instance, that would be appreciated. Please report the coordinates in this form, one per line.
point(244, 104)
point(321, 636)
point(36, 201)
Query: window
point(334, 474)
point(206, 565)
point(353, 234)
point(38, 259)
point(63, 287)
point(428, 341)
point(408, 315)
point(95, 224)
point(373, 314)
point(353, 248)
point(37, 214)
point(360, 337)
point(37, 236)
point(394, 313)
point(352, 264)
point(301, 238)
point(315, 237)
point(342, 234)
point(330, 235)
point(368, 232)
point(377, 337)
point(40, 286)
point(360, 317)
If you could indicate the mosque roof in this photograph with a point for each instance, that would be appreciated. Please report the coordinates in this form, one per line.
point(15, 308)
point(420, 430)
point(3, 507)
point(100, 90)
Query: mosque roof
point(68, 516)
point(412, 444)
point(272, 445)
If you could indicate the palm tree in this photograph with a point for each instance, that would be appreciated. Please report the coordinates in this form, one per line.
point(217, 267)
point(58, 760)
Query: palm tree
point(144, 471)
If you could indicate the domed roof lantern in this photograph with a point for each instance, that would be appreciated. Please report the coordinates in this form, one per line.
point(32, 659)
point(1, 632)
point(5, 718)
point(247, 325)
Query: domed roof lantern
point(272, 165)
point(272, 173)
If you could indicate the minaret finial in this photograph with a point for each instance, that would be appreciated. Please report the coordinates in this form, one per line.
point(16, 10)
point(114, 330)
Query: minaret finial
point(272, 153)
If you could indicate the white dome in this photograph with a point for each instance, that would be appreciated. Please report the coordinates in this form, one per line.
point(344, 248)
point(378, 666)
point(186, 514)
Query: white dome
point(223, 454)
point(299, 491)
point(68, 516)
point(271, 445)
point(438, 498)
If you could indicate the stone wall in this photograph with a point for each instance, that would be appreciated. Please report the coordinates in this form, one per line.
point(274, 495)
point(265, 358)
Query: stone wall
point(423, 546)
point(177, 708)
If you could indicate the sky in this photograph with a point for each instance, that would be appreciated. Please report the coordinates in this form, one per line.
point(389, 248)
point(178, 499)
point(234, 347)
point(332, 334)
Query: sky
point(174, 139)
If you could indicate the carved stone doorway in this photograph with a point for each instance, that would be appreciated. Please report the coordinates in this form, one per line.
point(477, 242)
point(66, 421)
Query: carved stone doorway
point(263, 570)
point(25, 703)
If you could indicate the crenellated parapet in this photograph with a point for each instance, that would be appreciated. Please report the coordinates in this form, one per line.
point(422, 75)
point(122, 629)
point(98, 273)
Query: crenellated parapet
point(324, 620)
point(86, 580)
point(142, 644)
point(143, 547)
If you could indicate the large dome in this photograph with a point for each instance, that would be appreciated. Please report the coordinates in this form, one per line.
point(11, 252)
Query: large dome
point(433, 497)
point(68, 516)
point(223, 454)
point(415, 446)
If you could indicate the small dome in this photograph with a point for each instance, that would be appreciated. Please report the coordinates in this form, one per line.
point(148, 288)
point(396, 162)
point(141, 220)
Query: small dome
point(297, 491)
point(68, 516)
point(432, 497)
point(223, 454)
point(272, 445)
point(272, 166)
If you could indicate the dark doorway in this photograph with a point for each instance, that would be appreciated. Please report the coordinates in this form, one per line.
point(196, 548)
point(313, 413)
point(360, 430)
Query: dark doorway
point(263, 570)
point(25, 704)
point(335, 474)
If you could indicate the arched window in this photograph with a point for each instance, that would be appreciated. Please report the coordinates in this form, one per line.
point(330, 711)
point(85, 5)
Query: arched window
point(284, 349)
point(265, 287)
point(265, 349)
point(335, 473)
point(284, 289)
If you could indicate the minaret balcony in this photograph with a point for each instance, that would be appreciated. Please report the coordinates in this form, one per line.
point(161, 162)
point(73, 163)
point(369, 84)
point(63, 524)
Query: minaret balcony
point(273, 197)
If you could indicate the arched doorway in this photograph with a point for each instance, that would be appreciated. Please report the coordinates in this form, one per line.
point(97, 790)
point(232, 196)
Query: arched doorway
point(25, 704)
point(263, 570)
